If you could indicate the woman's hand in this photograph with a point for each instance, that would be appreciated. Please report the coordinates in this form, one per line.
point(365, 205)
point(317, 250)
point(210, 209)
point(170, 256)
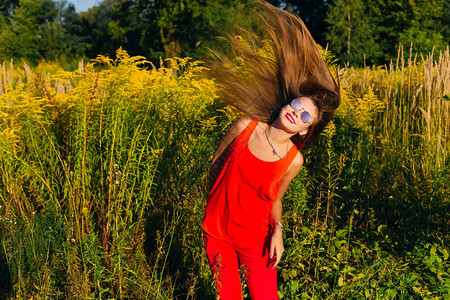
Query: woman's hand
point(276, 246)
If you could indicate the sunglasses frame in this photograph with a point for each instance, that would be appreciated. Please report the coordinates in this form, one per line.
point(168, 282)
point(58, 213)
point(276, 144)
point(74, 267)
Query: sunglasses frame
point(305, 116)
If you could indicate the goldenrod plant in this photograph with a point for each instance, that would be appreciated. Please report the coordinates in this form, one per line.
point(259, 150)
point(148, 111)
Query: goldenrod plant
point(104, 178)
point(79, 155)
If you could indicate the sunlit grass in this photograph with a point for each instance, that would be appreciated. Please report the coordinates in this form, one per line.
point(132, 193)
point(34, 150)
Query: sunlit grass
point(104, 180)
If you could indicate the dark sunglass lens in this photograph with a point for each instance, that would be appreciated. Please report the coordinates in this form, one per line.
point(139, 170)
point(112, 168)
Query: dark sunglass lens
point(306, 117)
point(296, 104)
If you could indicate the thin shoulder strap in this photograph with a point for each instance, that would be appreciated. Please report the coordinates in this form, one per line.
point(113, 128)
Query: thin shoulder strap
point(251, 125)
point(291, 154)
point(247, 132)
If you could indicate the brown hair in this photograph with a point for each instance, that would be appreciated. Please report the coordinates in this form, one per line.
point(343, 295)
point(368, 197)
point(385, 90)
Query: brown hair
point(259, 85)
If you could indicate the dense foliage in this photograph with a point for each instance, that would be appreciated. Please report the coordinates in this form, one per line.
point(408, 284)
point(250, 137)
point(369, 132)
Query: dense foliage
point(372, 30)
point(358, 31)
point(103, 180)
point(38, 29)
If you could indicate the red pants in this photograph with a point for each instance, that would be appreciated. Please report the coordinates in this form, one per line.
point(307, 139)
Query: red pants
point(225, 259)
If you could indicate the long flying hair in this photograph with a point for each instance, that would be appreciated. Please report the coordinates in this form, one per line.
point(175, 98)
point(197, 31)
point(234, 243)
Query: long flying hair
point(259, 83)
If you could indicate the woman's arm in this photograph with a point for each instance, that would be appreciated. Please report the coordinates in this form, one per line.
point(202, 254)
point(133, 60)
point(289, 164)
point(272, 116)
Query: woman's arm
point(222, 149)
point(276, 244)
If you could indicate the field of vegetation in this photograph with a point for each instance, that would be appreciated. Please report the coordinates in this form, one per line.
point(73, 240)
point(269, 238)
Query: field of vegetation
point(104, 177)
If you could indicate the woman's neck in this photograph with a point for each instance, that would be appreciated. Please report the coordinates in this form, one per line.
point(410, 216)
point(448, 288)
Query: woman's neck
point(277, 135)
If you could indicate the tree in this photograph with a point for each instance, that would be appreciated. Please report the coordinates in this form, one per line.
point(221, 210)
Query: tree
point(350, 32)
point(35, 29)
point(312, 12)
point(408, 21)
point(444, 26)
point(19, 31)
point(97, 24)
point(7, 7)
point(375, 28)
point(73, 40)
point(180, 27)
point(422, 31)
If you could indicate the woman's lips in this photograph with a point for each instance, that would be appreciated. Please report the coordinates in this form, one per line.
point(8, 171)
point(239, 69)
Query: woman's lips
point(290, 118)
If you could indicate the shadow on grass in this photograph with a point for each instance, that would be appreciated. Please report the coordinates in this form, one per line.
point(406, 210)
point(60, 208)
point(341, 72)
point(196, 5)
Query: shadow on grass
point(5, 277)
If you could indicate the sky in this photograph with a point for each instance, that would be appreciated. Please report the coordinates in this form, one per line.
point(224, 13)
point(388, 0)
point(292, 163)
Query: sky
point(84, 5)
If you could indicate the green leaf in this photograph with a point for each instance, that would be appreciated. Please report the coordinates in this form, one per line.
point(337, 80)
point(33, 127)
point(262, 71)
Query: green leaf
point(444, 252)
point(391, 293)
point(433, 250)
point(294, 286)
point(445, 97)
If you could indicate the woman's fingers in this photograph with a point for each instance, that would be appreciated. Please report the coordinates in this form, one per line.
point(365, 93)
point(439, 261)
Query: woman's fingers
point(276, 249)
point(275, 253)
point(279, 251)
point(272, 250)
point(277, 260)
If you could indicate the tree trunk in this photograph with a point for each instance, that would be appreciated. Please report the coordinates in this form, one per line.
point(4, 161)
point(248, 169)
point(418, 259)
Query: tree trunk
point(172, 47)
point(348, 31)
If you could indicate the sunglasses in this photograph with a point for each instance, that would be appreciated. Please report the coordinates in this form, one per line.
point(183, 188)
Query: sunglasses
point(304, 116)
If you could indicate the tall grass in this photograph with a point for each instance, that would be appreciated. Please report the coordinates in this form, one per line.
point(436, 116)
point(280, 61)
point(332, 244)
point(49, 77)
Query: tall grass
point(79, 155)
point(410, 141)
point(104, 181)
point(417, 114)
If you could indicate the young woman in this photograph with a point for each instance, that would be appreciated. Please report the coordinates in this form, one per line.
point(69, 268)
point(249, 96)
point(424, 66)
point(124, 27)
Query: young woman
point(288, 96)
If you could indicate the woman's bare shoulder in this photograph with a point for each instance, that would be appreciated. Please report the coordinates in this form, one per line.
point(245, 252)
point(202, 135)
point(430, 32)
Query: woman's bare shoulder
point(242, 122)
point(238, 126)
point(296, 163)
point(233, 132)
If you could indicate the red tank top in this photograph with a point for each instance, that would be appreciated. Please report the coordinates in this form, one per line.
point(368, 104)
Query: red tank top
point(240, 202)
